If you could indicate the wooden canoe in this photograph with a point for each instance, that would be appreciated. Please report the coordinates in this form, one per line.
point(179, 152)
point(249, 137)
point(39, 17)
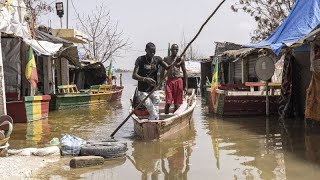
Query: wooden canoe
point(168, 124)
point(72, 100)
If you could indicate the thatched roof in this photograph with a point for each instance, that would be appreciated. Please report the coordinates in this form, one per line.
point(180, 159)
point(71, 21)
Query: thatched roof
point(240, 53)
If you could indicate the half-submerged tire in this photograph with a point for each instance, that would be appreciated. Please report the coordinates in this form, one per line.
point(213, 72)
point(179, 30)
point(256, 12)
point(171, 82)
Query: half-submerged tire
point(104, 149)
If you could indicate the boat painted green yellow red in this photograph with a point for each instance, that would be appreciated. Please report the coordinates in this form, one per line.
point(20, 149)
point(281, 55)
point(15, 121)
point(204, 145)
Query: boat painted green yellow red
point(28, 108)
point(71, 100)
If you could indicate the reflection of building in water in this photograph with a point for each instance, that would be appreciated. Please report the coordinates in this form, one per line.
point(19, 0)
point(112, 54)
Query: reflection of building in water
point(252, 143)
point(36, 131)
point(168, 158)
point(312, 141)
point(301, 142)
point(312, 149)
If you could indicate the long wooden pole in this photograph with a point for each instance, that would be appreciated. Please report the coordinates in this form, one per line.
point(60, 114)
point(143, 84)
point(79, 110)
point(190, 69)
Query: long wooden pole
point(166, 73)
point(3, 102)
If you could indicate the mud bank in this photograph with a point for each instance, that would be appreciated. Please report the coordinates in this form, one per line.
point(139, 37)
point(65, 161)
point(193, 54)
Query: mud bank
point(22, 167)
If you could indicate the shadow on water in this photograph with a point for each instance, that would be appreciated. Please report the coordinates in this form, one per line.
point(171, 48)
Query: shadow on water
point(213, 148)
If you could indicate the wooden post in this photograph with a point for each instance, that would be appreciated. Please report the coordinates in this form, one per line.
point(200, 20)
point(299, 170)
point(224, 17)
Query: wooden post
point(120, 79)
point(267, 133)
point(46, 75)
point(53, 69)
point(64, 71)
point(244, 70)
point(267, 99)
point(3, 105)
point(58, 68)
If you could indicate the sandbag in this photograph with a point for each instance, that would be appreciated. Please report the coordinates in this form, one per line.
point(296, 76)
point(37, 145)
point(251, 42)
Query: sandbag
point(71, 145)
point(46, 151)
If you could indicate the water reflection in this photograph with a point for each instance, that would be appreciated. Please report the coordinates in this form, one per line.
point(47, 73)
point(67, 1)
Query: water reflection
point(36, 131)
point(255, 145)
point(168, 159)
point(85, 122)
point(214, 148)
point(312, 141)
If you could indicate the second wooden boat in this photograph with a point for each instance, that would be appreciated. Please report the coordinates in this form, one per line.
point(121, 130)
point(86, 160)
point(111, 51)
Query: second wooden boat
point(96, 95)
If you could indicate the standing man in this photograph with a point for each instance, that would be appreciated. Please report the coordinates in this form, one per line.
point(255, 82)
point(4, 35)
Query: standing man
point(174, 85)
point(145, 72)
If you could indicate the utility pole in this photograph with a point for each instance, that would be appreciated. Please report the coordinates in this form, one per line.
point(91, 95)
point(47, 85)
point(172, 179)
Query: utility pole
point(67, 14)
point(61, 23)
point(60, 12)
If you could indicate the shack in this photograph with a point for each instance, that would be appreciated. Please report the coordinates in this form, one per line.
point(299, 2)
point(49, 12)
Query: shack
point(299, 46)
point(236, 89)
point(23, 104)
point(194, 74)
point(17, 98)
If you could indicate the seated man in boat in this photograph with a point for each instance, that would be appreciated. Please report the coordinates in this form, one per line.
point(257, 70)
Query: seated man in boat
point(174, 85)
point(145, 72)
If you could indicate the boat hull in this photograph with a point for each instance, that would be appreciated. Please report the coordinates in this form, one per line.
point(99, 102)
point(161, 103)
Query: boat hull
point(224, 104)
point(30, 108)
point(166, 128)
point(66, 101)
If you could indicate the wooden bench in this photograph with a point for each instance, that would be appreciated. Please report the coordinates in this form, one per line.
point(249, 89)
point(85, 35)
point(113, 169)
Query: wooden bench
point(271, 85)
point(68, 89)
point(95, 89)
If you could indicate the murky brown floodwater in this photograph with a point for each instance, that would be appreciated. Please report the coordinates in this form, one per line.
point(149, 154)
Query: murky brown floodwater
point(213, 148)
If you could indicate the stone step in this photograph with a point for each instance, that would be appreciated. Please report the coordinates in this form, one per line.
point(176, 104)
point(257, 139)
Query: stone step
point(86, 161)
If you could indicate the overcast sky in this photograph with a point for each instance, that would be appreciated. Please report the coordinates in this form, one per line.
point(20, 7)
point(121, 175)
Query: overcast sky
point(166, 21)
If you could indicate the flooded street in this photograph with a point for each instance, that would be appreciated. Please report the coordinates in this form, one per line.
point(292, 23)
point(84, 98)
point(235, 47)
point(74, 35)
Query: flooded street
point(212, 148)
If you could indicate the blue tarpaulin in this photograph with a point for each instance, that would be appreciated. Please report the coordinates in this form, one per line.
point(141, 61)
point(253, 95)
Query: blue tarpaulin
point(303, 18)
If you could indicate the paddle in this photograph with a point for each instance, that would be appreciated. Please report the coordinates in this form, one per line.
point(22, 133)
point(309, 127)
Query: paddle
point(166, 73)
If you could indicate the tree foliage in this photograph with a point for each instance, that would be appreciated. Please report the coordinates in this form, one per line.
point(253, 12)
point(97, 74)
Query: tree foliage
point(267, 13)
point(105, 39)
point(36, 8)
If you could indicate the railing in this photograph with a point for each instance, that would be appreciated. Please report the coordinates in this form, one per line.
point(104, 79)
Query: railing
point(96, 89)
point(68, 89)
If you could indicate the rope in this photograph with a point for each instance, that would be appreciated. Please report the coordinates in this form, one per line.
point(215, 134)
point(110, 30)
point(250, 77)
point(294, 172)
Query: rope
point(166, 73)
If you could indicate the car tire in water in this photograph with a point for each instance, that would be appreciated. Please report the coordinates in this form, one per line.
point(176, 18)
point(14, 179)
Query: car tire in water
point(104, 149)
